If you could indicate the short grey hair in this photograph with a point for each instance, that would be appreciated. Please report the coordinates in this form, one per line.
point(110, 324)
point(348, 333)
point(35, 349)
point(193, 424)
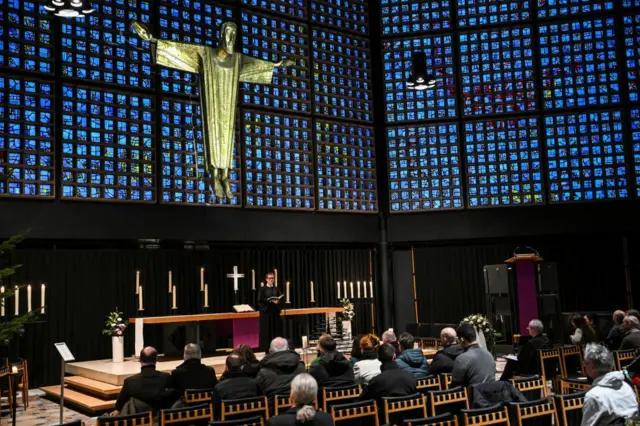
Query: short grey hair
point(449, 334)
point(389, 336)
point(600, 356)
point(537, 325)
point(633, 321)
point(192, 351)
point(304, 390)
point(279, 344)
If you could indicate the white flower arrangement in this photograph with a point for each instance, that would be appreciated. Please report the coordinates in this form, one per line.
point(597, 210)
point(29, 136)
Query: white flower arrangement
point(114, 326)
point(349, 311)
point(480, 322)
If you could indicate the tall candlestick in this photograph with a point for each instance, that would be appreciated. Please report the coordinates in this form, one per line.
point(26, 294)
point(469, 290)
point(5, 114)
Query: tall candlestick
point(174, 297)
point(351, 286)
point(371, 289)
point(344, 285)
point(170, 282)
point(275, 277)
point(201, 279)
point(42, 294)
point(16, 298)
point(364, 286)
point(206, 295)
point(313, 300)
point(29, 298)
point(288, 300)
point(358, 289)
point(137, 281)
point(2, 299)
point(253, 279)
point(140, 307)
point(338, 290)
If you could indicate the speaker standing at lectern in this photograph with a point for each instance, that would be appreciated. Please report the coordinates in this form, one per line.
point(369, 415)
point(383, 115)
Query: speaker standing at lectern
point(269, 300)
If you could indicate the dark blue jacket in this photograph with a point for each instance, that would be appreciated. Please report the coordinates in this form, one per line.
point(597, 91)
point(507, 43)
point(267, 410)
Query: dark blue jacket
point(413, 361)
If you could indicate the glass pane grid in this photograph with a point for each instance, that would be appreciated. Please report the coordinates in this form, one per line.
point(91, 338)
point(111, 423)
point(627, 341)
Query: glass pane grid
point(631, 3)
point(424, 168)
point(273, 39)
point(278, 161)
point(497, 69)
point(107, 145)
point(586, 159)
point(402, 104)
point(26, 137)
point(400, 17)
point(26, 36)
point(474, 13)
point(341, 75)
point(103, 46)
point(555, 8)
point(635, 140)
point(346, 164)
point(579, 64)
point(190, 21)
point(632, 54)
point(503, 162)
point(350, 15)
point(291, 8)
point(184, 176)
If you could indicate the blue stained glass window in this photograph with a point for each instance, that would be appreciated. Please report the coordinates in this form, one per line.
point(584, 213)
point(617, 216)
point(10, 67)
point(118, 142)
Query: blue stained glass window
point(424, 168)
point(579, 64)
point(586, 158)
point(184, 175)
point(104, 47)
point(497, 69)
point(411, 16)
point(346, 167)
point(278, 153)
point(473, 13)
point(632, 53)
point(107, 145)
point(635, 140)
point(350, 15)
point(503, 162)
point(631, 3)
point(290, 8)
point(190, 21)
point(554, 8)
point(26, 137)
point(274, 39)
point(26, 36)
point(341, 75)
point(402, 104)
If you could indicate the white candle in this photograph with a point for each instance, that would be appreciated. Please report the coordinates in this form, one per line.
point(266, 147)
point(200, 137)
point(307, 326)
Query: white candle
point(201, 279)
point(29, 298)
point(140, 307)
point(338, 289)
point(261, 283)
point(42, 294)
point(253, 279)
point(288, 300)
point(275, 277)
point(305, 342)
point(137, 281)
point(364, 286)
point(371, 289)
point(206, 295)
point(351, 285)
point(170, 282)
point(312, 298)
point(2, 299)
point(344, 285)
point(174, 297)
point(14, 370)
point(16, 297)
point(358, 289)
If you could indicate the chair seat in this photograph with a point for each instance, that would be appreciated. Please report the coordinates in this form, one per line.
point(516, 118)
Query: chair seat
point(577, 379)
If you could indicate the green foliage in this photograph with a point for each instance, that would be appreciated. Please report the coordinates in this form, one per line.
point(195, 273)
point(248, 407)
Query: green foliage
point(114, 326)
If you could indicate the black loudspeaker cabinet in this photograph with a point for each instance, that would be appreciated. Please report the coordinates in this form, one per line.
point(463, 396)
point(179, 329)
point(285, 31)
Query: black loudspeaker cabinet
point(547, 278)
point(496, 279)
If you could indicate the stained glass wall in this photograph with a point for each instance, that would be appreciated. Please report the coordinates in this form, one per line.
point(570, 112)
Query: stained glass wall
point(85, 113)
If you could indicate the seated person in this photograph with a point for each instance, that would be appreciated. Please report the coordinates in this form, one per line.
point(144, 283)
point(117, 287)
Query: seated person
point(443, 359)
point(235, 383)
point(368, 366)
point(390, 337)
point(147, 390)
point(411, 359)
point(304, 390)
point(278, 369)
point(616, 334)
point(528, 361)
point(192, 373)
point(252, 365)
point(476, 364)
point(611, 400)
point(332, 369)
point(631, 326)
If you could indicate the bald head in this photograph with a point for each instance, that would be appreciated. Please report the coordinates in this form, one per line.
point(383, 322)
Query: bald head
point(234, 362)
point(148, 356)
point(448, 336)
point(278, 344)
point(618, 316)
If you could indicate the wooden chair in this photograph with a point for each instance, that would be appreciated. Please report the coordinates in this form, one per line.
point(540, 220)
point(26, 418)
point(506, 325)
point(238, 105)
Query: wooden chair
point(446, 419)
point(532, 388)
point(23, 385)
point(445, 380)
point(448, 401)
point(569, 408)
point(363, 411)
point(428, 383)
point(494, 415)
point(623, 358)
point(187, 416)
point(253, 421)
point(574, 385)
point(550, 365)
point(281, 402)
point(140, 419)
point(245, 408)
point(568, 352)
point(197, 396)
point(73, 423)
point(431, 343)
point(535, 413)
point(340, 395)
point(636, 390)
point(401, 407)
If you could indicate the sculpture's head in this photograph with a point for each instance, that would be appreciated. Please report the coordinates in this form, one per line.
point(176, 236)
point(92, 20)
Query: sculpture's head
point(142, 30)
point(228, 36)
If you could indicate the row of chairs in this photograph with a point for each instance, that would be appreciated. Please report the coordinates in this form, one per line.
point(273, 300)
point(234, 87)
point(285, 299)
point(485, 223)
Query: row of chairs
point(558, 358)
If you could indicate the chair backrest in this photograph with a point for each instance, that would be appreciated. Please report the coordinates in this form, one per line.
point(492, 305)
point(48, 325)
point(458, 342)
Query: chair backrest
point(448, 401)
point(445, 380)
point(569, 408)
point(283, 402)
point(252, 421)
point(140, 419)
point(535, 413)
point(339, 395)
point(73, 423)
point(446, 419)
point(197, 396)
point(623, 358)
point(366, 412)
point(400, 407)
point(573, 385)
point(549, 363)
point(244, 408)
point(187, 416)
point(568, 352)
point(428, 383)
point(532, 388)
point(636, 389)
point(494, 415)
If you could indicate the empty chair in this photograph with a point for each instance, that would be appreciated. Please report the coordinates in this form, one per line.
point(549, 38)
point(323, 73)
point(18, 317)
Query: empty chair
point(140, 419)
point(446, 419)
point(569, 408)
point(339, 395)
point(623, 358)
point(363, 413)
point(428, 383)
point(448, 401)
point(252, 421)
point(245, 408)
point(535, 413)
point(550, 365)
point(199, 415)
point(574, 385)
point(400, 407)
point(532, 388)
point(571, 365)
point(197, 396)
point(494, 415)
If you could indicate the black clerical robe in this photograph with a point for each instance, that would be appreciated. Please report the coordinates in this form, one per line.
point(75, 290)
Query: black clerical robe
point(270, 322)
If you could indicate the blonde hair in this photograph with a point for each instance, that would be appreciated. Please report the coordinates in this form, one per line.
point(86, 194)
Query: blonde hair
point(304, 390)
point(370, 342)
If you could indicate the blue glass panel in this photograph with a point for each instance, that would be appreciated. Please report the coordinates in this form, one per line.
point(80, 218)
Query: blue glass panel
point(341, 75)
point(344, 14)
point(632, 53)
point(290, 8)
point(555, 8)
point(635, 140)
point(409, 16)
point(26, 137)
point(107, 145)
point(586, 158)
point(579, 64)
point(473, 13)
point(631, 3)
point(346, 167)
point(424, 168)
point(497, 70)
point(503, 162)
point(184, 176)
point(402, 104)
point(278, 153)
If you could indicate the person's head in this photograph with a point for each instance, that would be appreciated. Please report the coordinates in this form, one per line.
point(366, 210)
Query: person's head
point(246, 352)
point(406, 341)
point(148, 356)
point(235, 362)
point(618, 316)
point(192, 351)
point(278, 344)
point(389, 337)
point(386, 353)
point(578, 321)
point(535, 327)
point(448, 336)
point(270, 278)
point(466, 335)
point(592, 319)
point(369, 343)
point(633, 313)
point(630, 323)
point(228, 36)
point(304, 390)
point(598, 360)
point(356, 352)
point(326, 343)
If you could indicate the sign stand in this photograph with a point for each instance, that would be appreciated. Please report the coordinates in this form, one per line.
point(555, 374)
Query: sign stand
point(65, 356)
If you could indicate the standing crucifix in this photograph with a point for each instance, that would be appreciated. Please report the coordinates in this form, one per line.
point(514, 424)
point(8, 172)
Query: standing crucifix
point(235, 277)
point(220, 70)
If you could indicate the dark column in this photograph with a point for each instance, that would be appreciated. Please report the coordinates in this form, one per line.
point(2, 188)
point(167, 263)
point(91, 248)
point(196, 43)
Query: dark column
point(384, 294)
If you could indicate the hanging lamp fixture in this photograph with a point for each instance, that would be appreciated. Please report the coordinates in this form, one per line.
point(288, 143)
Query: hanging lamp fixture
point(69, 8)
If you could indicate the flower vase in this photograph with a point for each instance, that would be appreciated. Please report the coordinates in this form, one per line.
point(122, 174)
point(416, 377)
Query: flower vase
point(117, 348)
point(346, 330)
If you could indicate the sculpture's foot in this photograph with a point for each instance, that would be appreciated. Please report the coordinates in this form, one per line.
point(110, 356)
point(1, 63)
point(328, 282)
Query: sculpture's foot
point(218, 189)
point(227, 189)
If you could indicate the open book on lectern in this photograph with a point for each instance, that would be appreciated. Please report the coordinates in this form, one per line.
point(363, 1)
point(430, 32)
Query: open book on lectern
point(242, 308)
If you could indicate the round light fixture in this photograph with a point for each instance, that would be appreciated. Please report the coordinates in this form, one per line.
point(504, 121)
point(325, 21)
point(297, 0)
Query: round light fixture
point(69, 8)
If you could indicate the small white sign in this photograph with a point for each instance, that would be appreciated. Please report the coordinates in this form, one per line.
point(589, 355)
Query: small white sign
point(65, 353)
